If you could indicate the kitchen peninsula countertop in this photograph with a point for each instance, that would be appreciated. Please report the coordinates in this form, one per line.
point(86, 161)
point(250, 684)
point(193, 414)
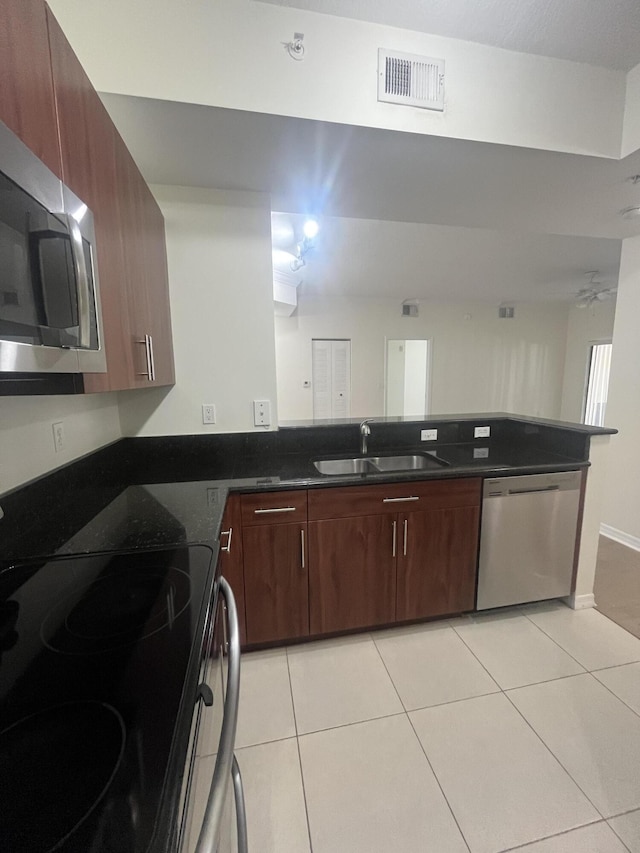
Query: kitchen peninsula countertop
point(171, 491)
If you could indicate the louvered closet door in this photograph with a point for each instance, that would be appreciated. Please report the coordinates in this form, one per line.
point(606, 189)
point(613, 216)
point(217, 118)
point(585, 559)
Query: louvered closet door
point(331, 377)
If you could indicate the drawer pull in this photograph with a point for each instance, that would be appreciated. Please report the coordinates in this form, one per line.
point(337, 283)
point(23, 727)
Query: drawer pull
point(228, 533)
point(393, 541)
point(398, 500)
point(275, 509)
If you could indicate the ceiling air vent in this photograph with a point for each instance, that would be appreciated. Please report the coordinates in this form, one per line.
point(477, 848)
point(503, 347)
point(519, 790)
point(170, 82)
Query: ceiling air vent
point(417, 81)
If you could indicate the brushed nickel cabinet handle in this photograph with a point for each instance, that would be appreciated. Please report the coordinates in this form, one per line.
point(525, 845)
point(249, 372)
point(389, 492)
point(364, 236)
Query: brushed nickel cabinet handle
point(275, 509)
point(393, 541)
point(404, 544)
point(147, 352)
point(302, 547)
point(152, 361)
point(398, 500)
point(228, 533)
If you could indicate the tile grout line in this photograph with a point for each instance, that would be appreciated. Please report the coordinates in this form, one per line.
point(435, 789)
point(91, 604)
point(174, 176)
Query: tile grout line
point(406, 714)
point(560, 835)
point(295, 722)
point(552, 753)
point(615, 695)
point(586, 668)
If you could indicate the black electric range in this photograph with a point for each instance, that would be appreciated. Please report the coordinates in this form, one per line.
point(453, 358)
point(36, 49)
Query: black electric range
point(99, 659)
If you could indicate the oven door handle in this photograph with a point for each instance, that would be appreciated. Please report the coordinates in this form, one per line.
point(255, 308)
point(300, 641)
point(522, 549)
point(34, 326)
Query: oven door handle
point(210, 830)
point(241, 813)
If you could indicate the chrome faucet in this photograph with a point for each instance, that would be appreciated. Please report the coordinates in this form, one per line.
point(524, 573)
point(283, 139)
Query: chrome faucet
point(365, 432)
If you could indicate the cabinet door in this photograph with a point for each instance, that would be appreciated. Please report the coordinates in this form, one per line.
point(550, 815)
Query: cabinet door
point(230, 559)
point(276, 582)
point(352, 575)
point(87, 145)
point(147, 285)
point(437, 559)
point(26, 90)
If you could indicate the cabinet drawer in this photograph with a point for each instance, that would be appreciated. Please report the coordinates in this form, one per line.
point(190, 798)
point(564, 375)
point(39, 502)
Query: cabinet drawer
point(274, 507)
point(393, 497)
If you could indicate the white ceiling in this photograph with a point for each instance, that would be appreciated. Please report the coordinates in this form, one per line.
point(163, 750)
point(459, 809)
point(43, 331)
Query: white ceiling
point(598, 32)
point(500, 203)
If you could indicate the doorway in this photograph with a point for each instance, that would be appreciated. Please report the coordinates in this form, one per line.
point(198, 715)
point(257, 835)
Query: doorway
point(331, 378)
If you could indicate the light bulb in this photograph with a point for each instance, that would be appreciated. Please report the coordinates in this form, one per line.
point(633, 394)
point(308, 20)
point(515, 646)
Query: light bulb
point(310, 228)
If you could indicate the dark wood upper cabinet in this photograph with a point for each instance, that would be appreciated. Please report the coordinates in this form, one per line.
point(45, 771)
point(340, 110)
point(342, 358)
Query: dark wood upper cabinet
point(147, 286)
point(88, 149)
point(26, 84)
point(48, 101)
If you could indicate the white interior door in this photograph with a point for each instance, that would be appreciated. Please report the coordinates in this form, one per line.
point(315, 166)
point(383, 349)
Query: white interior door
point(331, 378)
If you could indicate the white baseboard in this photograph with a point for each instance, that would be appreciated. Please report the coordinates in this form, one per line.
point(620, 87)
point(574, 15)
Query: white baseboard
point(580, 602)
point(620, 536)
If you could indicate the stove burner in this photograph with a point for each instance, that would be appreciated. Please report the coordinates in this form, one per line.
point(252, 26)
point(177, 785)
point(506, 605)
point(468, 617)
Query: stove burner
point(116, 610)
point(45, 766)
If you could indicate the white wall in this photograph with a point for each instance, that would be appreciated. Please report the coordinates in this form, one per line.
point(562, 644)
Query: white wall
point(593, 324)
point(26, 437)
point(480, 363)
point(230, 53)
point(220, 282)
point(622, 496)
point(631, 126)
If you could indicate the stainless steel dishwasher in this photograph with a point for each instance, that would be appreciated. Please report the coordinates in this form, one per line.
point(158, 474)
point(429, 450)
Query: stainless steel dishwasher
point(527, 538)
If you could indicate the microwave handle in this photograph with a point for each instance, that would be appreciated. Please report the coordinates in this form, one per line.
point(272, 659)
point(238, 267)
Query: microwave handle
point(210, 830)
point(82, 278)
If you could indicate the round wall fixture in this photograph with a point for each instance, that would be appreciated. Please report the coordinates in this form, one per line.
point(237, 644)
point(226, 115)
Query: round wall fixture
point(295, 48)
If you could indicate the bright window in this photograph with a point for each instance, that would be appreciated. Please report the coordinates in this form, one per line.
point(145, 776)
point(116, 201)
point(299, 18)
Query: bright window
point(597, 384)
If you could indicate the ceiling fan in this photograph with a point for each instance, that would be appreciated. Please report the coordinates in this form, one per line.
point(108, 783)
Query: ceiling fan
point(594, 291)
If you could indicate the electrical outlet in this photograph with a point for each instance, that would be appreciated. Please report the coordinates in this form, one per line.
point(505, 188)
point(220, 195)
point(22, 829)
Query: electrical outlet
point(208, 413)
point(262, 412)
point(482, 432)
point(58, 436)
point(480, 452)
point(213, 496)
point(428, 434)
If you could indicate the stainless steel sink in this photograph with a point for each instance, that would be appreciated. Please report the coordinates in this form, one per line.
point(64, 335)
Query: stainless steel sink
point(378, 464)
point(412, 462)
point(344, 466)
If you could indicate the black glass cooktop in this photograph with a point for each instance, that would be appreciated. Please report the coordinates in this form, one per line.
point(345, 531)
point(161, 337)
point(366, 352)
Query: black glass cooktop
point(95, 653)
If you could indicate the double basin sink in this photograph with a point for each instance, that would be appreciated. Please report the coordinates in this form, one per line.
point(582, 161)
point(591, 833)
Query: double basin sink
point(379, 464)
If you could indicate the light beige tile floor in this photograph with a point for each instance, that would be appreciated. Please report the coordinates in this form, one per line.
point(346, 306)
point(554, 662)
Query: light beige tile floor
point(510, 741)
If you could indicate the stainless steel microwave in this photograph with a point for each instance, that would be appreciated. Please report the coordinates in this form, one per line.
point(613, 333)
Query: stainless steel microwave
point(50, 319)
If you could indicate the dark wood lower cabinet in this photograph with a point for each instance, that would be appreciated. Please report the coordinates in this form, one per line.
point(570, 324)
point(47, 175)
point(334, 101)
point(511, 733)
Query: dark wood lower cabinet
point(352, 573)
point(276, 582)
point(411, 554)
point(437, 555)
point(231, 560)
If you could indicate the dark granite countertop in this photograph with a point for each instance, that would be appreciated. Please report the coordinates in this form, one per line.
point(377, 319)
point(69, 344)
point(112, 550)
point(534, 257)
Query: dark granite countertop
point(169, 491)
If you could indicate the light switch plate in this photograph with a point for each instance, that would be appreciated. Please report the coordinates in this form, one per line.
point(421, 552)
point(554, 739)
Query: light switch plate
point(480, 452)
point(482, 432)
point(428, 434)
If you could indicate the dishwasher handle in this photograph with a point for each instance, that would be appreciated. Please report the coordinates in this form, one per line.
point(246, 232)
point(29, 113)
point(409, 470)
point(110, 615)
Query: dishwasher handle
point(554, 488)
